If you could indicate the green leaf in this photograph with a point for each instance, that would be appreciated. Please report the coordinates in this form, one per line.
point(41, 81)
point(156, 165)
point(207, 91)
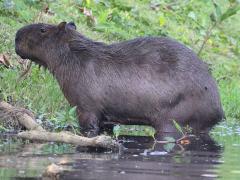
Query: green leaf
point(169, 146)
point(232, 1)
point(72, 111)
point(149, 131)
point(162, 21)
point(217, 10)
point(88, 2)
point(230, 12)
point(3, 129)
point(116, 130)
point(192, 15)
point(133, 130)
point(213, 17)
point(178, 127)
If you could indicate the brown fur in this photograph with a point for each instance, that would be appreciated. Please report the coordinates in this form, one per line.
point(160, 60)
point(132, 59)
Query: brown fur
point(149, 80)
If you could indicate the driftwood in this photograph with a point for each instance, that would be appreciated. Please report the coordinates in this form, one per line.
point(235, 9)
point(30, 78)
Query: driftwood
point(23, 116)
point(38, 133)
point(67, 137)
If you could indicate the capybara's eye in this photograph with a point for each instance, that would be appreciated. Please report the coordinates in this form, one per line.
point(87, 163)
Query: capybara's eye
point(43, 30)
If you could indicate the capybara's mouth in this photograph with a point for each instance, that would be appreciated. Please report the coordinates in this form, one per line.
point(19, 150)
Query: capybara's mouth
point(35, 60)
point(38, 62)
point(23, 57)
point(19, 53)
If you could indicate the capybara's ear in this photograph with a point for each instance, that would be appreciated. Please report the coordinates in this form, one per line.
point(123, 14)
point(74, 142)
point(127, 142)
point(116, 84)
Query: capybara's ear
point(62, 25)
point(71, 25)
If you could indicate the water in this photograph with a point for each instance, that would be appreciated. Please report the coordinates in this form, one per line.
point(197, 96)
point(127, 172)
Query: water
point(204, 158)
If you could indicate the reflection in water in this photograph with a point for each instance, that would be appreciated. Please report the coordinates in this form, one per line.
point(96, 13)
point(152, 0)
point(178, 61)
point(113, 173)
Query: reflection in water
point(140, 159)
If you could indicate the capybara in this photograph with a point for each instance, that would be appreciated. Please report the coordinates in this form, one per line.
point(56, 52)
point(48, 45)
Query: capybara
point(147, 80)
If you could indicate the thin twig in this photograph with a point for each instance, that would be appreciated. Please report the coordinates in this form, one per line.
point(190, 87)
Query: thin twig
point(183, 137)
point(206, 38)
point(23, 74)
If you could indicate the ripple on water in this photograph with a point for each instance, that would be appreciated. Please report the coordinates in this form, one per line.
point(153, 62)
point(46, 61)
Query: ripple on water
point(201, 159)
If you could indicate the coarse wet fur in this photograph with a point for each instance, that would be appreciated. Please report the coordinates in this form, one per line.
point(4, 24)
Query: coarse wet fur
point(149, 80)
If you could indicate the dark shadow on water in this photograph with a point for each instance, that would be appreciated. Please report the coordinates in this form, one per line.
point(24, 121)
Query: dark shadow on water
point(139, 159)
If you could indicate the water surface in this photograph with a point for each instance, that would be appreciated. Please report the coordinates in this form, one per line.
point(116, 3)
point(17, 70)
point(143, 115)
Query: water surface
point(140, 159)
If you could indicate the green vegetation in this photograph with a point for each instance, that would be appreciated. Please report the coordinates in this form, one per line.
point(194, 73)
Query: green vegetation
point(227, 136)
point(133, 130)
point(190, 21)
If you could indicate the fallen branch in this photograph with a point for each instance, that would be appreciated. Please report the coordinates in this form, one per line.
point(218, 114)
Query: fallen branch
point(38, 133)
point(67, 137)
point(23, 116)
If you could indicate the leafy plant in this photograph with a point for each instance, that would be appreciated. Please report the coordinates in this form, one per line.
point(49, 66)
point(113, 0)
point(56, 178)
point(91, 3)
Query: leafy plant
point(178, 127)
point(171, 140)
point(66, 120)
point(3, 129)
point(169, 146)
point(217, 17)
point(133, 130)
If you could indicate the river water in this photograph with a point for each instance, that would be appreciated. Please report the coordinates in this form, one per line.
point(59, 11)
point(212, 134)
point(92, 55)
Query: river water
point(215, 157)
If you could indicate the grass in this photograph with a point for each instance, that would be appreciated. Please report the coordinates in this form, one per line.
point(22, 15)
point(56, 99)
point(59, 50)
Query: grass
point(115, 20)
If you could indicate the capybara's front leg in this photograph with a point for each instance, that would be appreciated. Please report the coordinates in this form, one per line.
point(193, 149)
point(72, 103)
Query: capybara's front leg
point(89, 124)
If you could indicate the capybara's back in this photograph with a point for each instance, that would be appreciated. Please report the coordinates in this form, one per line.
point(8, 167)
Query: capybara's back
point(148, 81)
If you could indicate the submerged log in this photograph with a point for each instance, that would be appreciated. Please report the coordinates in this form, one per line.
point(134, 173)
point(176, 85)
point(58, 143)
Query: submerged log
point(38, 133)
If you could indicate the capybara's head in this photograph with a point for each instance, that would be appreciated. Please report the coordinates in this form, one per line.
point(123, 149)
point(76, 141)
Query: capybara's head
point(42, 42)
